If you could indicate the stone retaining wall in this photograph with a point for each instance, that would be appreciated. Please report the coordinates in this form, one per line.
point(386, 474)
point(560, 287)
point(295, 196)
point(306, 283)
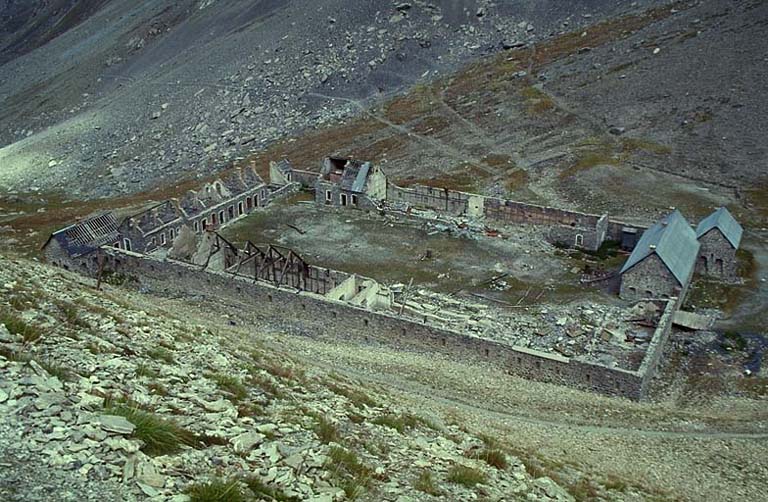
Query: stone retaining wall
point(314, 315)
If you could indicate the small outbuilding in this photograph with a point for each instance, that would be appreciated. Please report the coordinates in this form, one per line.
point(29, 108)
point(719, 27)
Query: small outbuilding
point(719, 236)
point(663, 261)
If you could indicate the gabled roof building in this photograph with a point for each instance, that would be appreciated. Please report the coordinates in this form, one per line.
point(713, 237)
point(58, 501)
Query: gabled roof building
point(719, 236)
point(64, 246)
point(662, 263)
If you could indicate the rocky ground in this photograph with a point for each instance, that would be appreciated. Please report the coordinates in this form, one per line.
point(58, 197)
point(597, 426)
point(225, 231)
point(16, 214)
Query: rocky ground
point(129, 96)
point(109, 397)
point(120, 395)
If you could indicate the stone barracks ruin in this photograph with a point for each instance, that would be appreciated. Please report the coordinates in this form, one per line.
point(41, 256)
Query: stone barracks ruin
point(615, 348)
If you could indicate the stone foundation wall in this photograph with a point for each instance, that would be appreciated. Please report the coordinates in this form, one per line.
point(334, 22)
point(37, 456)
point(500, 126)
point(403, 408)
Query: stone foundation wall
point(313, 315)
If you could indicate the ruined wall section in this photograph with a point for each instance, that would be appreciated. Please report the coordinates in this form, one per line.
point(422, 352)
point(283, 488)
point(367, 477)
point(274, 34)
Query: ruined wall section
point(306, 179)
point(655, 353)
point(314, 315)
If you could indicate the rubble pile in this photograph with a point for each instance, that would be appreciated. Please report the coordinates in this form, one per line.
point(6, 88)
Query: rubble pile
point(603, 333)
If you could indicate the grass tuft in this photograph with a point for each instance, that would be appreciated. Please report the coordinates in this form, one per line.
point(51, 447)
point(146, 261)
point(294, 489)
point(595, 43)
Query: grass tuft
point(160, 436)
point(466, 476)
point(326, 430)
point(231, 385)
point(426, 483)
point(143, 370)
point(263, 491)
point(161, 354)
point(18, 326)
point(492, 456)
point(358, 398)
point(216, 490)
point(350, 474)
point(401, 422)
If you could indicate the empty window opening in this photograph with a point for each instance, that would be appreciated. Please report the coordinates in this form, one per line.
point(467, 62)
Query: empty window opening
point(197, 226)
point(588, 377)
point(162, 239)
point(127, 244)
point(648, 293)
point(213, 219)
point(240, 210)
point(231, 212)
point(269, 298)
point(328, 196)
point(249, 203)
point(579, 240)
point(442, 342)
point(366, 322)
point(343, 199)
point(221, 217)
point(404, 332)
point(354, 200)
point(487, 353)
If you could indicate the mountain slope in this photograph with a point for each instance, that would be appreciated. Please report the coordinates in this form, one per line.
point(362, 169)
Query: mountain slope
point(144, 92)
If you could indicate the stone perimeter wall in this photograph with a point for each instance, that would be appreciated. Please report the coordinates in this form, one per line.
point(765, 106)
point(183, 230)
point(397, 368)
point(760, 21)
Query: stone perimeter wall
point(565, 225)
point(313, 315)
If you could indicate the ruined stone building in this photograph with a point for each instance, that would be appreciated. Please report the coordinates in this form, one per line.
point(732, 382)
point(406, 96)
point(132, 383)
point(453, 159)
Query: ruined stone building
point(67, 247)
point(719, 236)
point(218, 202)
point(225, 199)
point(662, 263)
point(347, 182)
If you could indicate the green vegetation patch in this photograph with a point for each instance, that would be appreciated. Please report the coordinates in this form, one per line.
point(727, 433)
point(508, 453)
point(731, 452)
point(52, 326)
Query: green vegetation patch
point(401, 422)
point(160, 436)
point(264, 491)
point(348, 472)
point(16, 325)
point(231, 385)
point(426, 483)
point(466, 476)
point(326, 430)
point(491, 456)
point(216, 490)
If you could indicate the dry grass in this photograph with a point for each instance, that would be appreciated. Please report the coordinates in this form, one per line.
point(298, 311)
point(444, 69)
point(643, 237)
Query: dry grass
point(465, 178)
point(516, 180)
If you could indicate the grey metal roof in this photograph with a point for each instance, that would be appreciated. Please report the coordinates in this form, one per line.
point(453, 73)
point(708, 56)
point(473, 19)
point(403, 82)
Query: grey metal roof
point(673, 240)
point(83, 237)
point(723, 220)
point(362, 176)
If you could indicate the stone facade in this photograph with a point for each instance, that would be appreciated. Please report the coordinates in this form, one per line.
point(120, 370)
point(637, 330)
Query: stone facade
point(349, 183)
point(649, 278)
point(717, 257)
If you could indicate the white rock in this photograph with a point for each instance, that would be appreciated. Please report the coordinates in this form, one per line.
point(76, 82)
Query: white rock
point(117, 424)
point(246, 441)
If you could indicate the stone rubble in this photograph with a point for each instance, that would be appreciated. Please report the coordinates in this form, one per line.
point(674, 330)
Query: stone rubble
point(251, 412)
